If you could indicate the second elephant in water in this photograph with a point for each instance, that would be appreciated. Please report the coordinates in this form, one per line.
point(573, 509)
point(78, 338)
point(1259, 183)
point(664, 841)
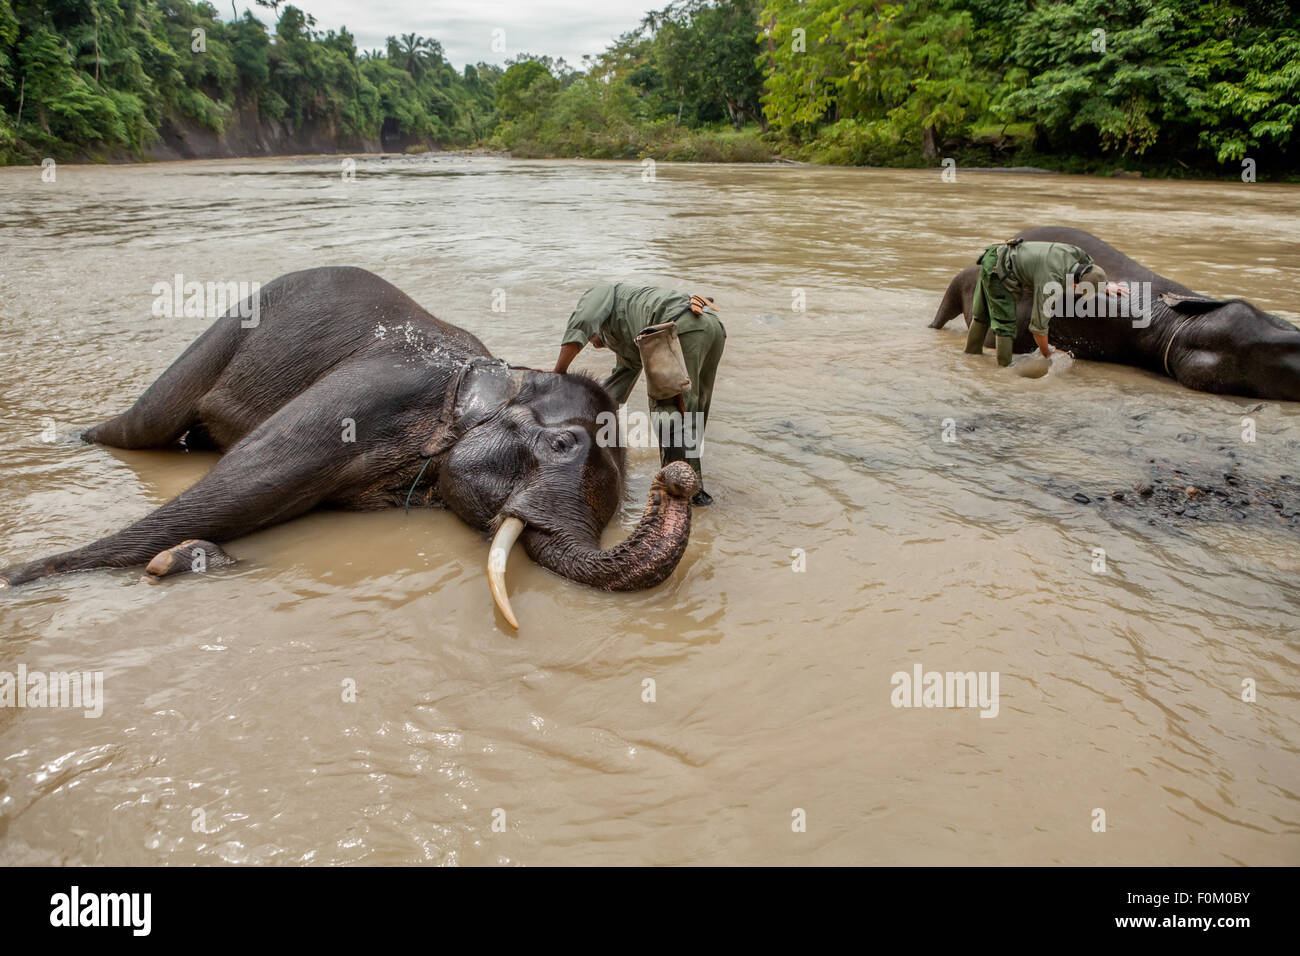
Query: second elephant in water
point(1226, 346)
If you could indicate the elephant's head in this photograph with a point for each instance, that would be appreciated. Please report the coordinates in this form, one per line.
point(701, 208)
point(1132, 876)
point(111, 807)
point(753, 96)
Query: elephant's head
point(534, 462)
point(1230, 346)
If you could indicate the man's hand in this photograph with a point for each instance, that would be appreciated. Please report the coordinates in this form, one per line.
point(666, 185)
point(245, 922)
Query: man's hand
point(1116, 288)
point(699, 304)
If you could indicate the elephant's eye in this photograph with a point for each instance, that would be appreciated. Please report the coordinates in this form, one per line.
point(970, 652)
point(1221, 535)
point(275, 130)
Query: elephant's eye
point(563, 442)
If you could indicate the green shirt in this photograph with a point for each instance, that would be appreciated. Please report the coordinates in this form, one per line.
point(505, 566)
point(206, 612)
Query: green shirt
point(617, 311)
point(1035, 264)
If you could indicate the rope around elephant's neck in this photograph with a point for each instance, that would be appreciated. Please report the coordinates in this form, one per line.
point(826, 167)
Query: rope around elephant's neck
point(407, 509)
point(1170, 343)
point(444, 432)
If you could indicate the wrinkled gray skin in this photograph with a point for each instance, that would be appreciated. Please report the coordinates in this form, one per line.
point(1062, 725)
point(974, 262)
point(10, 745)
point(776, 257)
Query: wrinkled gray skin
point(339, 344)
point(1232, 348)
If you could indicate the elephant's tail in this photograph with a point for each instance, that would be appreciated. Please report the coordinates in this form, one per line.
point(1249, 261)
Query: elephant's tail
point(957, 300)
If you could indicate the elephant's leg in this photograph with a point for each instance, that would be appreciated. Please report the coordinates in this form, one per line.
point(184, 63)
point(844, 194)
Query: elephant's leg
point(191, 555)
point(958, 299)
point(286, 467)
point(169, 407)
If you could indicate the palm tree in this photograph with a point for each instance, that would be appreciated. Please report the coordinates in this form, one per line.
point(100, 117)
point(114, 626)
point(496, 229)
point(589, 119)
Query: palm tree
point(413, 53)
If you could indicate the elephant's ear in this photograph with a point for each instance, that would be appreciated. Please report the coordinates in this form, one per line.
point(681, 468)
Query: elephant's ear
point(1191, 304)
point(477, 394)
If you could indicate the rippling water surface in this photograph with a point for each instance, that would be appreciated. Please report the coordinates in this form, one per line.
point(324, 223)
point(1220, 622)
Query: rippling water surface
point(1119, 691)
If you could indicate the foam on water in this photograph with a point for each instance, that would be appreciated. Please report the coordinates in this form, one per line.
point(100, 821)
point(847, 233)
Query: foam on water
point(1035, 365)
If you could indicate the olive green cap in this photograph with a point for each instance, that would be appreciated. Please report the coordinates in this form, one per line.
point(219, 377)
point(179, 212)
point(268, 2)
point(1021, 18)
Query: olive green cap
point(1093, 279)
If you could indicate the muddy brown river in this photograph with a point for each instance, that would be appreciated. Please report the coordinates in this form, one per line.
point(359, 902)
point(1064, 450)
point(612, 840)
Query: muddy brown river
point(884, 502)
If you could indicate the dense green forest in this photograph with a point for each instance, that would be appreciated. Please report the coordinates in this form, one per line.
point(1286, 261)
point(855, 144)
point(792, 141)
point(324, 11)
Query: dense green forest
point(1175, 87)
point(102, 77)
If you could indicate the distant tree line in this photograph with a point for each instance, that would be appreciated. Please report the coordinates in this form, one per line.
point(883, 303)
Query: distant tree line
point(96, 76)
point(1188, 82)
point(1171, 85)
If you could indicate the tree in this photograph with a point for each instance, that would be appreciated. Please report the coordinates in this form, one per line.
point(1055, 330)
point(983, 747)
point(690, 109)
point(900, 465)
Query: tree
point(66, 106)
point(1114, 96)
point(707, 55)
point(897, 74)
point(525, 89)
point(914, 65)
point(414, 53)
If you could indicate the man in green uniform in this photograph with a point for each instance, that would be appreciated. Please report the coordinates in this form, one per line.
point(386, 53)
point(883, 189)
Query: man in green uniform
point(1007, 269)
point(610, 315)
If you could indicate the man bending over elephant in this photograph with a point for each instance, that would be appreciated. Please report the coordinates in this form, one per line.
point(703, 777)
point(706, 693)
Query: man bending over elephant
point(610, 315)
point(1007, 268)
point(1227, 346)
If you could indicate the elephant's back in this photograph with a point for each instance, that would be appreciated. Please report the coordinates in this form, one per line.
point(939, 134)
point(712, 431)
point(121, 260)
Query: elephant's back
point(347, 301)
point(1118, 266)
point(313, 323)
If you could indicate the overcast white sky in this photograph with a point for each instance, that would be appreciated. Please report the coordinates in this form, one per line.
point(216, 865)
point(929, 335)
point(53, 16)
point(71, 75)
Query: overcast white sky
point(558, 28)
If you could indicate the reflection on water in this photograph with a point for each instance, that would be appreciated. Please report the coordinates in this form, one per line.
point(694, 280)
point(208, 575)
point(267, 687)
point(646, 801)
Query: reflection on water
point(928, 497)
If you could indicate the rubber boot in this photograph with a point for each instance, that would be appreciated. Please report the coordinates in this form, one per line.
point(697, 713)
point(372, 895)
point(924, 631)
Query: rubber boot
point(975, 338)
point(1004, 350)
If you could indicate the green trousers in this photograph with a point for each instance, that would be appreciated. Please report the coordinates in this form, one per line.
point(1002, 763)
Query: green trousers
point(702, 349)
point(993, 303)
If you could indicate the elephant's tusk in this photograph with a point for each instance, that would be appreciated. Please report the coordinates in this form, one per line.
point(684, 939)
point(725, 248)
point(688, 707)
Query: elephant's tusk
point(499, 554)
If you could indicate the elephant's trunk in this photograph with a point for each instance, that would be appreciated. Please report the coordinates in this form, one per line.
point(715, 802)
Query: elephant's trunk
point(644, 559)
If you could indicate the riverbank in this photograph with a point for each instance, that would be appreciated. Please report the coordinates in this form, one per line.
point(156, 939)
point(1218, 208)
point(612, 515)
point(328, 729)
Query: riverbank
point(256, 141)
point(992, 150)
point(244, 134)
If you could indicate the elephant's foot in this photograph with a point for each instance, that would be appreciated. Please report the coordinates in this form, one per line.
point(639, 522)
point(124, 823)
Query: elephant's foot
point(191, 555)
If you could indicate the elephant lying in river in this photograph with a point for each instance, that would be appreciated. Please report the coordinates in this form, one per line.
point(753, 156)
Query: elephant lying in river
point(345, 393)
point(1229, 347)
